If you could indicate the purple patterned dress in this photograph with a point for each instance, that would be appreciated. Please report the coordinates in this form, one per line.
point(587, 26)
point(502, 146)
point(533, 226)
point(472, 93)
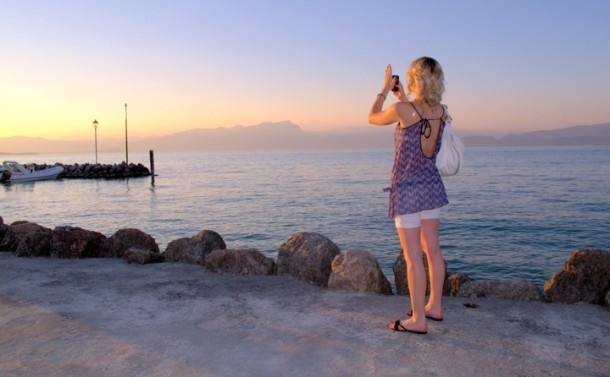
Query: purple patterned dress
point(416, 183)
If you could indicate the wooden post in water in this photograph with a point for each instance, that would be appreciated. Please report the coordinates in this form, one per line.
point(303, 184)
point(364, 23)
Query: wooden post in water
point(152, 167)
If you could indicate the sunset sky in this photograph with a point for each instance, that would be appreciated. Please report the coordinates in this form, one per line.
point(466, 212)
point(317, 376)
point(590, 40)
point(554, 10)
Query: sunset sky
point(517, 65)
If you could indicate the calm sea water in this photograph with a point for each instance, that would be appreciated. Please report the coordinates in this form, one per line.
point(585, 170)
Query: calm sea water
point(513, 213)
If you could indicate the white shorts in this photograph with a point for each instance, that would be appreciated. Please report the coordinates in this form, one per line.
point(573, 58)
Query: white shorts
point(413, 220)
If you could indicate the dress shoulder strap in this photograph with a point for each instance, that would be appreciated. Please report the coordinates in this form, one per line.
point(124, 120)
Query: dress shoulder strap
point(415, 108)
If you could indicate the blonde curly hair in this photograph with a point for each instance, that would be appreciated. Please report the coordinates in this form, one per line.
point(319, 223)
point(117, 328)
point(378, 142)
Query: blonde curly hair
point(426, 81)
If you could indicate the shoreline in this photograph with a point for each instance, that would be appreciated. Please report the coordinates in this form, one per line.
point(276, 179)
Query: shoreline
point(26, 239)
point(93, 317)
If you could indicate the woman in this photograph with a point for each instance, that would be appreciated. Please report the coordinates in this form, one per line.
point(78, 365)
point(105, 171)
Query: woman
point(417, 192)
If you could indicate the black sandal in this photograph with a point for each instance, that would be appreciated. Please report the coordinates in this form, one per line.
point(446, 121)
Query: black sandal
point(400, 328)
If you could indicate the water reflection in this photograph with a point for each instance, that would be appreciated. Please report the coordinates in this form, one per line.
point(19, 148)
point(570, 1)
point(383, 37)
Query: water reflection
point(18, 187)
point(508, 217)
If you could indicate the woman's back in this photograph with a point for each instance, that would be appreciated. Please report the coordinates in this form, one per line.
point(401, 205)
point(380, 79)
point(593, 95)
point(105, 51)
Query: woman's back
point(412, 114)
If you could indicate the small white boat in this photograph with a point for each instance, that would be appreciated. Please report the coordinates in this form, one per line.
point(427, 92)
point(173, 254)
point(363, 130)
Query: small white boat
point(14, 172)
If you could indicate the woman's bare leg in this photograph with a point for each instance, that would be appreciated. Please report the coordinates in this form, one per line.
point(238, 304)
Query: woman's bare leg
point(416, 278)
point(436, 266)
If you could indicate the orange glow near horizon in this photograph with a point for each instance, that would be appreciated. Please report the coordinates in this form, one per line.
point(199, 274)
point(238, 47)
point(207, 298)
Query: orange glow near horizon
point(47, 116)
point(196, 65)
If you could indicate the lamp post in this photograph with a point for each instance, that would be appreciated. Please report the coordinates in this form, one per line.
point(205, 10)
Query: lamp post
point(126, 149)
point(95, 128)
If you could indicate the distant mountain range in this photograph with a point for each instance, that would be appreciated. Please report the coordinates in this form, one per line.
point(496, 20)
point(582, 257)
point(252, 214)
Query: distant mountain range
point(572, 136)
point(288, 136)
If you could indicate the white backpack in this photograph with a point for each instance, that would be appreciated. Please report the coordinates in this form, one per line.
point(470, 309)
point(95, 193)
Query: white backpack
point(450, 156)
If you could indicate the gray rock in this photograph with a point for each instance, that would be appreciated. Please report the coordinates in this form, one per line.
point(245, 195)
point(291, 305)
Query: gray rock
point(3, 229)
point(240, 262)
point(16, 232)
point(455, 282)
point(35, 244)
point(142, 256)
point(126, 238)
point(585, 278)
point(75, 242)
point(400, 276)
point(607, 300)
point(519, 290)
point(181, 250)
point(308, 256)
point(358, 270)
point(194, 249)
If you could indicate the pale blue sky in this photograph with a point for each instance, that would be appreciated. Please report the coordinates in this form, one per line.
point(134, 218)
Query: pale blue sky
point(510, 65)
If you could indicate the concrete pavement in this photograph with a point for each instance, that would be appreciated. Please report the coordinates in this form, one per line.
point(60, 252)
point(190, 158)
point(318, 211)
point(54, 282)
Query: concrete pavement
point(103, 317)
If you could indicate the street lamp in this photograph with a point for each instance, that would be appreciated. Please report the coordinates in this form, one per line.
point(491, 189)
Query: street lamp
point(95, 128)
point(126, 149)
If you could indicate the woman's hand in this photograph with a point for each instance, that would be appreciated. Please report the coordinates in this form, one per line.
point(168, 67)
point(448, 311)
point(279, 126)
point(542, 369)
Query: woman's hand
point(400, 93)
point(378, 116)
point(388, 81)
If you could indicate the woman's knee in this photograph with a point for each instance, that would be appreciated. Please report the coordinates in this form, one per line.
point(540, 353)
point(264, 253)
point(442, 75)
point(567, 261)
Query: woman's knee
point(413, 256)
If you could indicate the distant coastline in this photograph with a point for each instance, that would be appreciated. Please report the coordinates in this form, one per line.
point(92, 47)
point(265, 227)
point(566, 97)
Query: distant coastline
point(575, 136)
point(286, 135)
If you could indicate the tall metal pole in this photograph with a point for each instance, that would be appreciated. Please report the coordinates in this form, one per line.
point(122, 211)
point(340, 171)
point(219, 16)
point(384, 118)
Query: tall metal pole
point(126, 149)
point(95, 128)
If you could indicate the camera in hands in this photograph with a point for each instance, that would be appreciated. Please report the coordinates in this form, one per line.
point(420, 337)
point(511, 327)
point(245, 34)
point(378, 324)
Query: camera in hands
point(395, 88)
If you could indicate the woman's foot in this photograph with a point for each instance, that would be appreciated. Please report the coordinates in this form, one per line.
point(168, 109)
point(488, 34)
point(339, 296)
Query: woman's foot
point(407, 325)
point(428, 315)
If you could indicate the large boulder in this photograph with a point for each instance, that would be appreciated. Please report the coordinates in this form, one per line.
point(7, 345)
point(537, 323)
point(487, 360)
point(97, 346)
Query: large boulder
point(126, 238)
point(358, 270)
point(585, 278)
point(400, 276)
point(35, 244)
point(75, 242)
point(3, 229)
point(308, 256)
point(518, 290)
point(142, 256)
point(181, 250)
point(17, 231)
point(194, 249)
point(240, 262)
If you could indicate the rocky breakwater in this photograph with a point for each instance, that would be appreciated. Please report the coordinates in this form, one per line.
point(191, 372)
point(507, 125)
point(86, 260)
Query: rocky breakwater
point(28, 239)
point(98, 171)
point(307, 256)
